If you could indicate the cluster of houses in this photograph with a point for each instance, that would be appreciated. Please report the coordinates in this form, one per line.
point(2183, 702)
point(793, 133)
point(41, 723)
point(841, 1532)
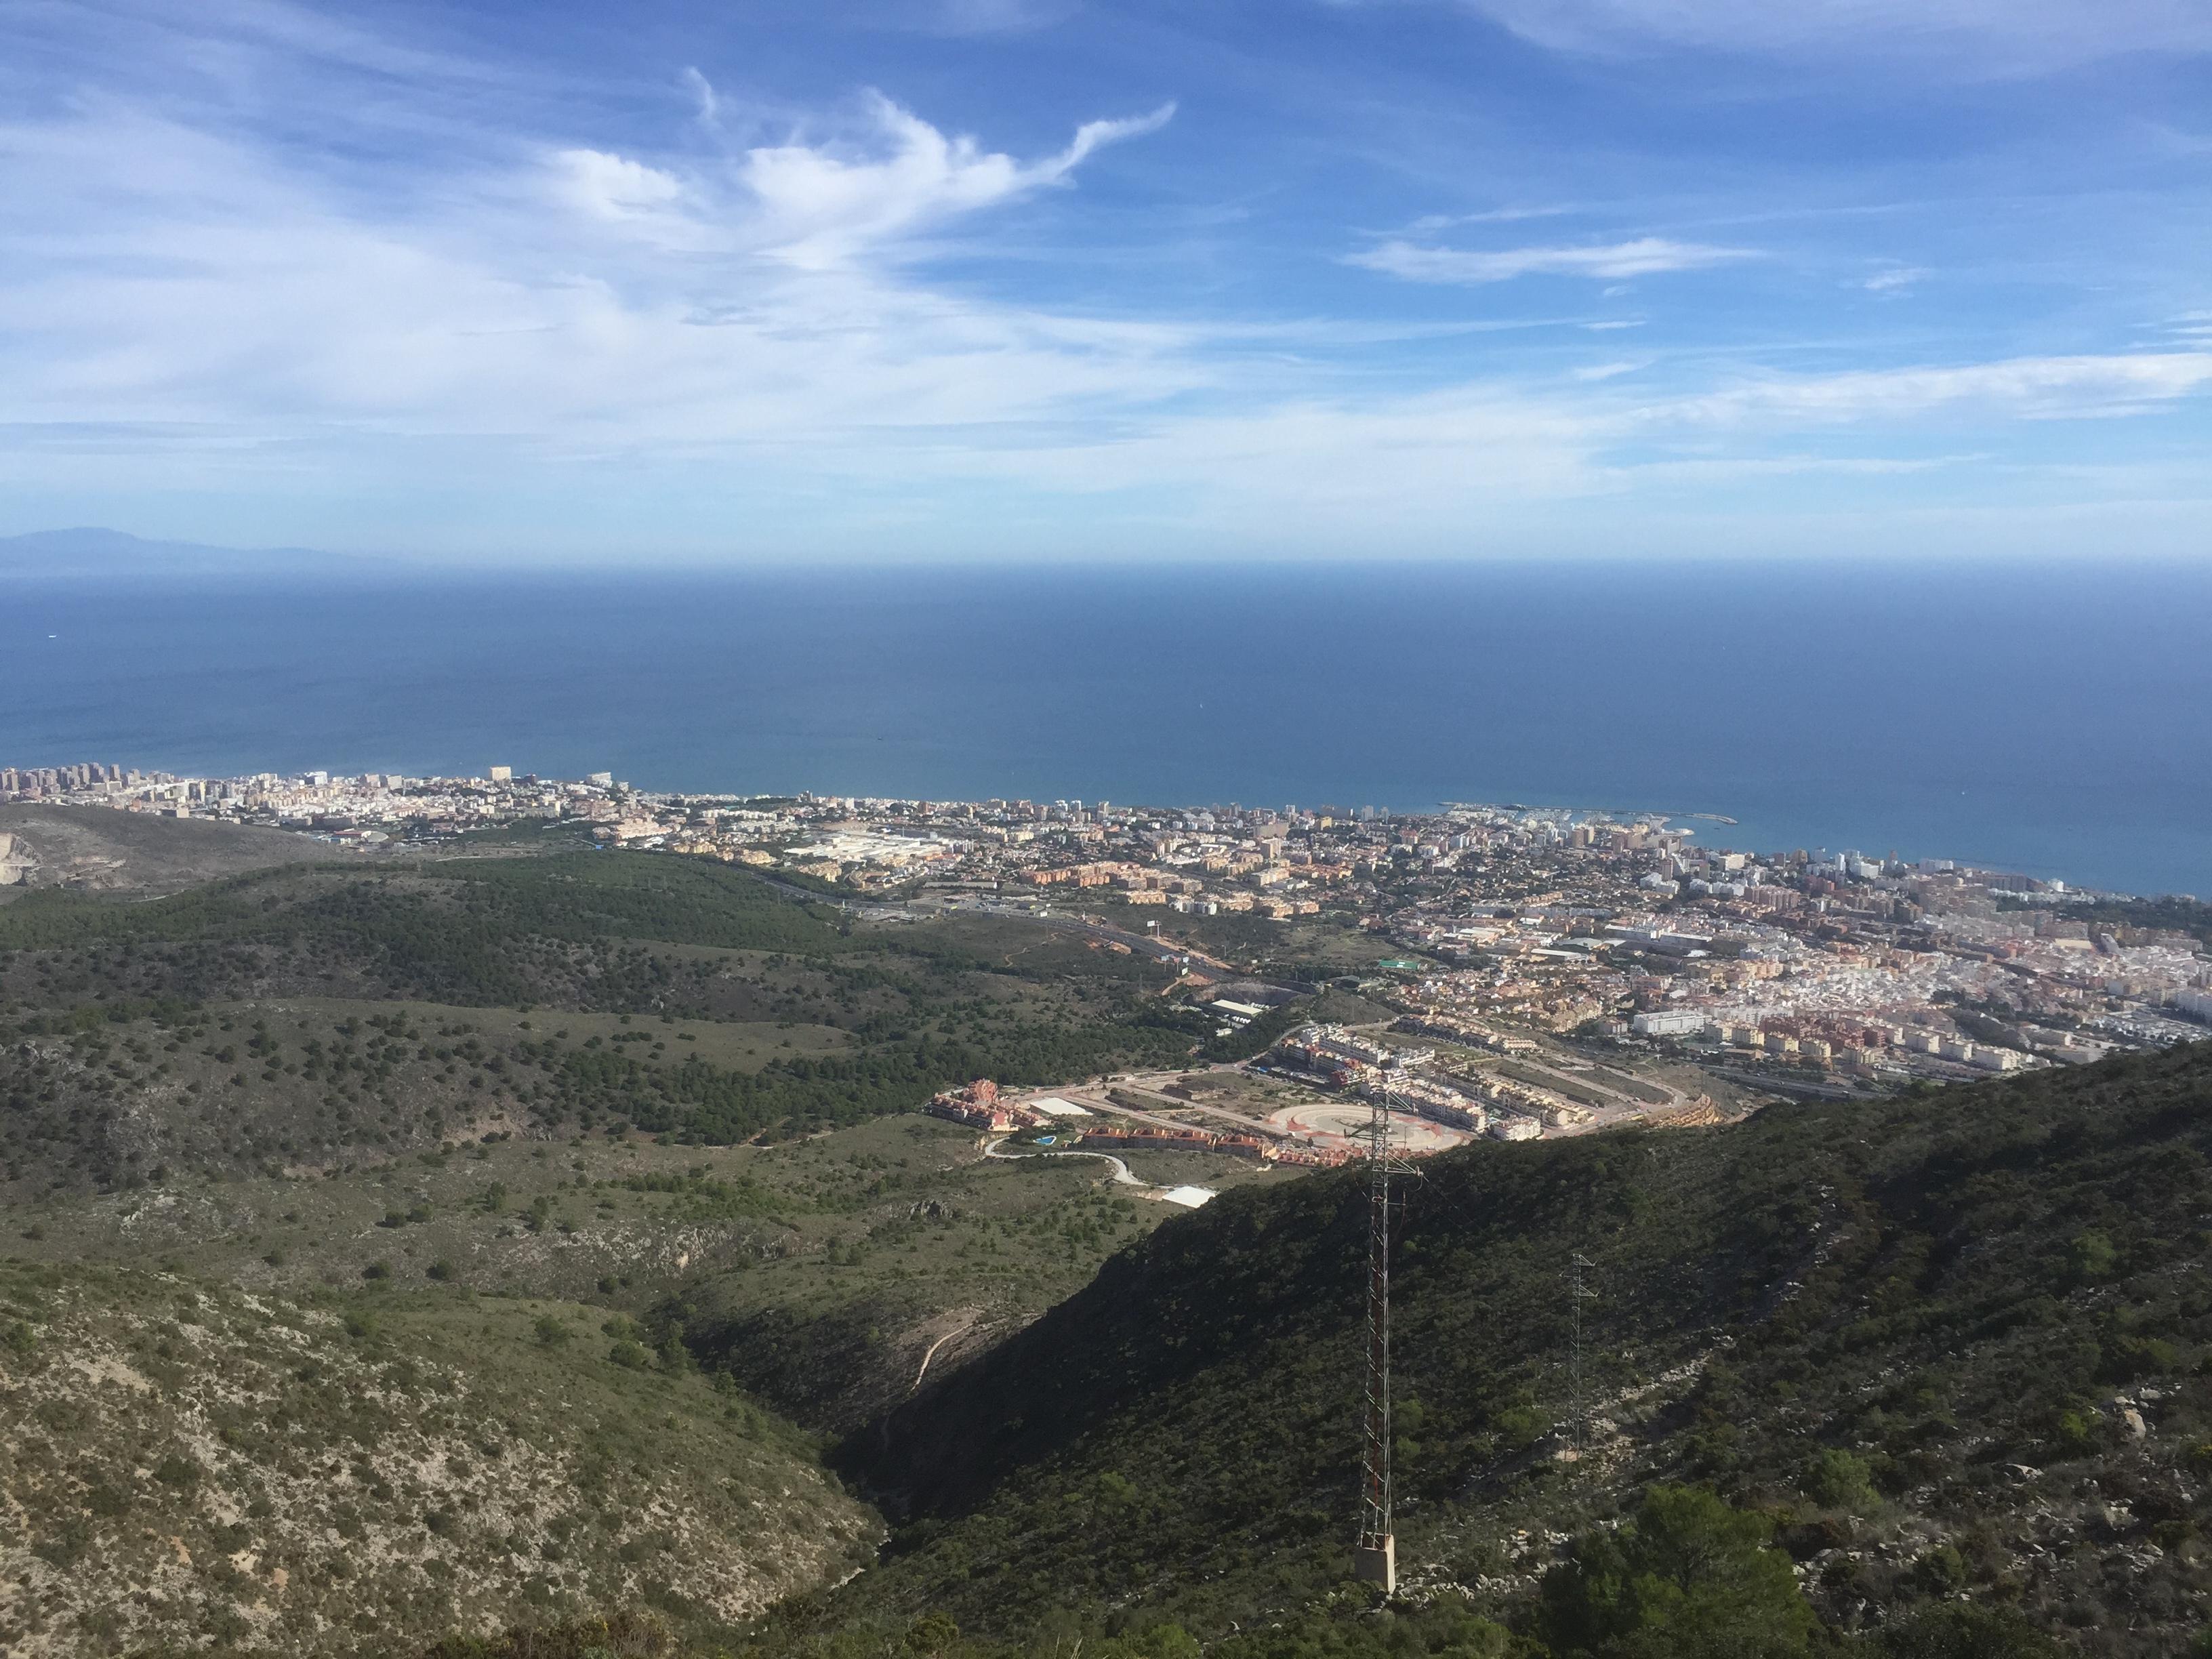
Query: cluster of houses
point(979, 1106)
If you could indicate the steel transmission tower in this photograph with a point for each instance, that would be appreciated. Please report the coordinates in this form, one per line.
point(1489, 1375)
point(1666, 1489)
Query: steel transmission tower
point(1375, 1558)
point(1580, 1263)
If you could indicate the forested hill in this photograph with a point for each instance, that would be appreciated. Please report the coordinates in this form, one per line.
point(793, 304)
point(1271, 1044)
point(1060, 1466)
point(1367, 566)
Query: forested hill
point(308, 1017)
point(1952, 1348)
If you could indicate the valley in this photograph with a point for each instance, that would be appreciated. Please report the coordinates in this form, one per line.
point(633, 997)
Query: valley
point(399, 1255)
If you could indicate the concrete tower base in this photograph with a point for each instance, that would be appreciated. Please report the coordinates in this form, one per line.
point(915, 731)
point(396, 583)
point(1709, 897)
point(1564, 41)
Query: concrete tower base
point(1378, 1565)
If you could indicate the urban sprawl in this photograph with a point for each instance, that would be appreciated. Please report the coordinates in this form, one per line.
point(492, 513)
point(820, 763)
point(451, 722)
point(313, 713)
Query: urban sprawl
point(1544, 971)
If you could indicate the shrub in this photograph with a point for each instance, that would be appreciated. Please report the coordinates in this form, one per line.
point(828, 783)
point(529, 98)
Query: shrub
point(1839, 1480)
point(107, 1501)
point(176, 1470)
point(2073, 1434)
point(931, 1634)
point(1940, 1571)
point(2134, 1358)
point(2090, 1256)
point(1684, 1566)
point(1964, 1630)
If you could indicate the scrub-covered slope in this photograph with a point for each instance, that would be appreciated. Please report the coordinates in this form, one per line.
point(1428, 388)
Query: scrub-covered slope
point(184, 1463)
point(1949, 1345)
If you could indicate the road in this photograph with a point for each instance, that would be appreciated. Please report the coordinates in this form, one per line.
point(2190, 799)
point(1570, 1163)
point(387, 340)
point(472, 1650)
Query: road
point(1121, 1176)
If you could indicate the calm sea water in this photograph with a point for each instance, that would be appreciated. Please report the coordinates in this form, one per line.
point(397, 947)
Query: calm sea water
point(2055, 721)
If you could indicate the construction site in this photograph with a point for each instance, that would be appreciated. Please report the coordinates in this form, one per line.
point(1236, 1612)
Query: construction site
point(1311, 1101)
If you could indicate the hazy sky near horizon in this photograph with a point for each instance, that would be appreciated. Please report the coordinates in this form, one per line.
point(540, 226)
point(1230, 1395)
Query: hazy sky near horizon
point(1051, 279)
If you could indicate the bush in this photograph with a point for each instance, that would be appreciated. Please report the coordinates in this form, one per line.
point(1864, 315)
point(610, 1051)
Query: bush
point(1840, 1480)
point(931, 1634)
point(2134, 1358)
point(107, 1501)
point(551, 1332)
point(1967, 1631)
point(2075, 1434)
point(1940, 1571)
point(1684, 1577)
point(631, 1355)
point(618, 1636)
point(2089, 1257)
point(175, 1470)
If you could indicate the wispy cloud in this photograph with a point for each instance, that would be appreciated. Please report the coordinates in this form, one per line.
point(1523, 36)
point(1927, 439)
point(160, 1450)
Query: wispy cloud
point(819, 204)
point(1594, 373)
point(702, 94)
point(310, 266)
point(1429, 224)
point(1949, 39)
point(612, 187)
point(1644, 256)
point(2040, 388)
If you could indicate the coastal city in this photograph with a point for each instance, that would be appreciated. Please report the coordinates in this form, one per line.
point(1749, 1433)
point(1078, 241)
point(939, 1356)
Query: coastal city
point(1519, 971)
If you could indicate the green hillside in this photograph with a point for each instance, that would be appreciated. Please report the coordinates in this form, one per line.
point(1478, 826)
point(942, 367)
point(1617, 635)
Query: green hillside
point(1949, 1346)
point(186, 1463)
point(821, 1272)
point(404, 1253)
point(303, 1018)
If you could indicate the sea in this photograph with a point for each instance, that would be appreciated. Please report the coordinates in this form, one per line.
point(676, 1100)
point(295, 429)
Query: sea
point(2052, 719)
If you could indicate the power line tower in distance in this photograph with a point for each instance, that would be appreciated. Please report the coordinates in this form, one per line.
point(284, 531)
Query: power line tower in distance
point(1580, 1264)
point(1375, 1556)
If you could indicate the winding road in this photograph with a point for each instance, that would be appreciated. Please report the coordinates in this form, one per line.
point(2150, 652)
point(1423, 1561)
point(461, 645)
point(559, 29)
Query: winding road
point(1121, 1175)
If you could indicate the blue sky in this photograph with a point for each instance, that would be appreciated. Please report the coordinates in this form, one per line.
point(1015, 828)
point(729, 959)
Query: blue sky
point(1048, 280)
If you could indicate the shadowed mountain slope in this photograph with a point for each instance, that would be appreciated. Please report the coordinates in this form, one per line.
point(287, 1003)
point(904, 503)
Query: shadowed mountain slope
point(1949, 1344)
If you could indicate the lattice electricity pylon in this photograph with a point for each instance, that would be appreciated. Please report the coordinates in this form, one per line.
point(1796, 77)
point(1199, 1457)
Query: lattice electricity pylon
point(1580, 1264)
point(1375, 1557)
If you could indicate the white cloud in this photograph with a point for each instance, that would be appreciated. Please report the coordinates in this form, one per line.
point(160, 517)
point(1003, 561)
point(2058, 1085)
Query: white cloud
point(1645, 256)
point(1894, 279)
point(196, 296)
point(2020, 387)
point(1953, 38)
point(611, 187)
point(1429, 224)
point(820, 205)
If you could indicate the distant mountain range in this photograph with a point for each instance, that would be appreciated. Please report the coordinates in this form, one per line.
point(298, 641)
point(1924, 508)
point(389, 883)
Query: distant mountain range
point(95, 552)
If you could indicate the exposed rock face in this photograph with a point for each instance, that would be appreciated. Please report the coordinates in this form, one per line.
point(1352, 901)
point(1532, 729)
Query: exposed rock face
point(101, 849)
point(15, 860)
